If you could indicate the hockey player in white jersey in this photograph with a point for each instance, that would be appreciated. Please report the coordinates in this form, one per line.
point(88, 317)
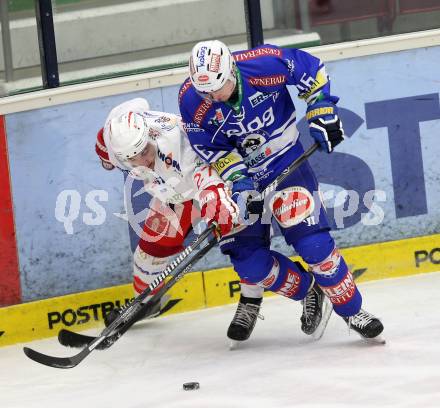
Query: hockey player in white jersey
point(153, 147)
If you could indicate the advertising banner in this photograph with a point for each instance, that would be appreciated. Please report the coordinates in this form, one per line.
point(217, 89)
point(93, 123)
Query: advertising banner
point(381, 184)
point(198, 290)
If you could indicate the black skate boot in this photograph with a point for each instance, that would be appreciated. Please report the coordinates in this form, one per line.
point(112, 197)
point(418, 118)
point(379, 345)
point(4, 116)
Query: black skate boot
point(368, 326)
point(316, 311)
point(245, 318)
point(149, 314)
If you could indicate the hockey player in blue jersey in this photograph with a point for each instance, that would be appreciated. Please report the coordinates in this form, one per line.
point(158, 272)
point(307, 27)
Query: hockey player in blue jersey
point(240, 118)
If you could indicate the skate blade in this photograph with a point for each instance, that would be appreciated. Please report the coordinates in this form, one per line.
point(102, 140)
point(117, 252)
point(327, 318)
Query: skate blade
point(326, 313)
point(234, 344)
point(375, 341)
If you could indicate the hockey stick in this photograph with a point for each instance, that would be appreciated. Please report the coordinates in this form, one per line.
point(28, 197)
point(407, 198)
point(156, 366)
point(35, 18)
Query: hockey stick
point(257, 206)
point(290, 169)
point(138, 306)
point(72, 339)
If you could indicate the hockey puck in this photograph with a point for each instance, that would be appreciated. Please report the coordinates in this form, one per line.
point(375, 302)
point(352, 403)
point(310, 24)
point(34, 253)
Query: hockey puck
point(190, 386)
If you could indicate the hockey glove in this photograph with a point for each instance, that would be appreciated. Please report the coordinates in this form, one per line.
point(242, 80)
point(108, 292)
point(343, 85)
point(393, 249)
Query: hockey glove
point(324, 124)
point(247, 199)
point(217, 206)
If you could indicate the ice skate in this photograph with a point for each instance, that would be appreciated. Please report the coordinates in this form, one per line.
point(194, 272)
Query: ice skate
point(367, 326)
point(317, 310)
point(244, 320)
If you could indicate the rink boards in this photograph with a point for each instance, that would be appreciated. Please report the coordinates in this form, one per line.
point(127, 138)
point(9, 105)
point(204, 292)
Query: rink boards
point(63, 220)
point(197, 290)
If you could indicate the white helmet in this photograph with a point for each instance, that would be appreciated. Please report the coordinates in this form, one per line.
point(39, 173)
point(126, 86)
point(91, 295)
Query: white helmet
point(211, 64)
point(128, 135)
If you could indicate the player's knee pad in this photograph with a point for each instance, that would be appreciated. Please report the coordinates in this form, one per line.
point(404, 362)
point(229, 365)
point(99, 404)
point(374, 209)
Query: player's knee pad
point(272, 271)
point(331, 272)
point(252, 265)
point(145, 269)
point(314, 248)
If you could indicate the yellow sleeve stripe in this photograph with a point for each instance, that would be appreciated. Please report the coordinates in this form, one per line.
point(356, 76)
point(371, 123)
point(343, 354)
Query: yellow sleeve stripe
point(320, 80)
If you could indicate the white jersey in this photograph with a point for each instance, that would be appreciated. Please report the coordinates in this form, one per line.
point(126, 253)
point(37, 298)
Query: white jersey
point(178, 172)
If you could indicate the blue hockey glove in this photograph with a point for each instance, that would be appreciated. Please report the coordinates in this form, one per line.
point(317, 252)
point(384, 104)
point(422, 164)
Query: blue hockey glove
point(324, 124)
point(243, 193)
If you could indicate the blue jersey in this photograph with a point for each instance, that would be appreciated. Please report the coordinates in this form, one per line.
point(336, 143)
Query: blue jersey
point(257, 135)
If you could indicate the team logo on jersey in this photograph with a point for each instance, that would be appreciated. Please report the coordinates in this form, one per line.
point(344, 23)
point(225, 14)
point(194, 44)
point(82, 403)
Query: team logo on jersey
point(257, 123)
point(271, 80)
point(258, 97)
point(168, 160)
point(166, 122)
point(219, 115)
point(192, 127)
point(163, 119)
point(252, 146)
point(253, 161)
point(252, 142)
point(225, 164)
point(259, 52)
point(292, 205)
point(218, 119)
point(201, 111)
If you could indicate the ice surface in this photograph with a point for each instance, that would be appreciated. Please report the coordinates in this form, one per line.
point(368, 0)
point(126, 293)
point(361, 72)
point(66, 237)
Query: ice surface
point(278, 366)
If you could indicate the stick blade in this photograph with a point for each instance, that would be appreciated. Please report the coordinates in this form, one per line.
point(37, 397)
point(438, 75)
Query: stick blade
point(55, 362)
point(71, 339)
point(77, 340)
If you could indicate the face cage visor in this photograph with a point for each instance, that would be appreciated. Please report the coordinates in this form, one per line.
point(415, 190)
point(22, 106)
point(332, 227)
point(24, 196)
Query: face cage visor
point(207, 95)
